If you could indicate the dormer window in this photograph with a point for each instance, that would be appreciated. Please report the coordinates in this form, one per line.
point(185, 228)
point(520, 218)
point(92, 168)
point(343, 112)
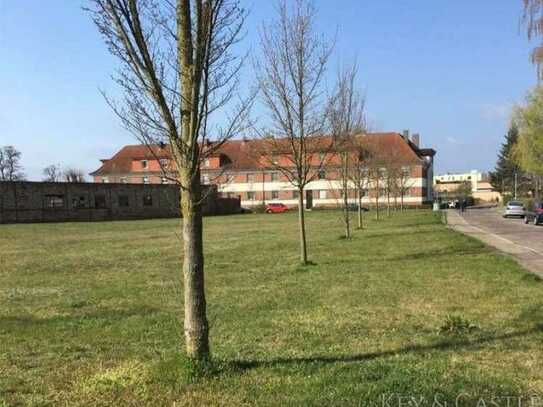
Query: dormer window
point(144, 164)
point(164, 162)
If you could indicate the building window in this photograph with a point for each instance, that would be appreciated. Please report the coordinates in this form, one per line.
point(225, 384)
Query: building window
point(123, 201)
point(322, 194)
point(230, 178)
point(145, 180)
point(54, 201)
point(124, 180)
point(105, 180)
point(321, 174)
point(147, 200)
point(164, 162)
point(144, 164)
point(205, 179)
point(275, 159)
point(206, 162)
point(250, 195)
point(274, 194)
point(164, 180)
point(274, 176)
point(100, 202)
point(295, 194)
point(250, 177)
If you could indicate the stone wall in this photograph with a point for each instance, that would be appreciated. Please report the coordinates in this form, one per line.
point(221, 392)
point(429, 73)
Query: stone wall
point(55, 202)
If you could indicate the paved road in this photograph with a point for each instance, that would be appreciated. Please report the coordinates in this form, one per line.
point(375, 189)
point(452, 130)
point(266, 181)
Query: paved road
point(512, 236)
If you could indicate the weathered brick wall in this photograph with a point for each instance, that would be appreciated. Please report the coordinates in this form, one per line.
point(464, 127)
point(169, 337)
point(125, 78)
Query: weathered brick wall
point(55, 202)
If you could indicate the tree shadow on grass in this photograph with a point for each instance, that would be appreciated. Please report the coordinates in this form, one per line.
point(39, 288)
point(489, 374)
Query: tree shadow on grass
point(103, 314)
point(452, 343)
point(433, 254)
point(397, 233)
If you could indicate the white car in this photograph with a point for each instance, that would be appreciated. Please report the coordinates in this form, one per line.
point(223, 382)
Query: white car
point(514, 208)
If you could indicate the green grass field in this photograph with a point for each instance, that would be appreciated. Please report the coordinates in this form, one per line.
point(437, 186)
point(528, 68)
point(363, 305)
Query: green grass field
point(89, 315)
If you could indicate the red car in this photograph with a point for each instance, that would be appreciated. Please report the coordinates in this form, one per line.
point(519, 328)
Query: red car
point(276, 208)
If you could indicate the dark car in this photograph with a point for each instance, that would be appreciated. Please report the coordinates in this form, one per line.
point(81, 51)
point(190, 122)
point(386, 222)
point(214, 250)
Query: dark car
point(534, 214)
point(354, 207)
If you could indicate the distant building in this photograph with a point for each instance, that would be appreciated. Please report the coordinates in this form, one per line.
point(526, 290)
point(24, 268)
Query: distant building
point(239, 170)
point(447, 184)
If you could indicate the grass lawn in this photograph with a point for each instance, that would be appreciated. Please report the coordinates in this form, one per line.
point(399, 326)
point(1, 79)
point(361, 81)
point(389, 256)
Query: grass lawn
point(89, 315)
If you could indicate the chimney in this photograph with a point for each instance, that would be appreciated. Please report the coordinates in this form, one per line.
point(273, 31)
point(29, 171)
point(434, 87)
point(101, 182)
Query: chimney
point(415, 139)
point(405, 135)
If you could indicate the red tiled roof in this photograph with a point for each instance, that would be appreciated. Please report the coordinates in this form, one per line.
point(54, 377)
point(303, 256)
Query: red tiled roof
point(243, 154)
point(121, 162)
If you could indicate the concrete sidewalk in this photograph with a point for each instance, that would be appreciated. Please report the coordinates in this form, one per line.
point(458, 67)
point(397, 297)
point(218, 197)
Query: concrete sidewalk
point(528, 257)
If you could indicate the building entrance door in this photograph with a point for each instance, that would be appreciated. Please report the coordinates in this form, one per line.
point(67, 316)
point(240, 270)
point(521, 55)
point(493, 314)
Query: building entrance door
point(308, 199)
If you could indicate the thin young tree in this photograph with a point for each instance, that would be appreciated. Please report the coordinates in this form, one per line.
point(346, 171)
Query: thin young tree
point(376, 163)
point(10, 164)
point(346, 117)
point(290, 77)
point(358, 173)
point(178, 68)
point(404, 183)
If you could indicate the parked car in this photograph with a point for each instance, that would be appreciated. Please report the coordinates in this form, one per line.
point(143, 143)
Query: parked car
point(354, 207)
point(534, 214)
point(514, 208)
point(276, 208)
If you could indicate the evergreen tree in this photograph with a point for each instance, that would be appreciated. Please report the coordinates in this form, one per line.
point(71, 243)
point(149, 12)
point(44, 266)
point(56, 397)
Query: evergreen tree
point(503, 176)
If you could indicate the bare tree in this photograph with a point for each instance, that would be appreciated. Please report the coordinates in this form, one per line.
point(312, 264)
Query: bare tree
point(533, 21)
point(392, 172)
point(358, 173)
point(376, 162)
point(346, 116)
point(52, 173)
point(290, 78)
point(178, 68)
point(404, 182)
point(74, 175)
point(10, 164)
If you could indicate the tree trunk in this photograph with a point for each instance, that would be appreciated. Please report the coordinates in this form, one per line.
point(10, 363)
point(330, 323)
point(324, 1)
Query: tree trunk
point(359, 197)
point(401, 202)
point(388, 204)
point(196, 325)
point(301, 221)
point(346, 215)
point(377, 207)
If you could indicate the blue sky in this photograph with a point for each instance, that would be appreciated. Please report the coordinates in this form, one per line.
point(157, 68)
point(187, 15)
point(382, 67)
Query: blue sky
point(450, 70)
